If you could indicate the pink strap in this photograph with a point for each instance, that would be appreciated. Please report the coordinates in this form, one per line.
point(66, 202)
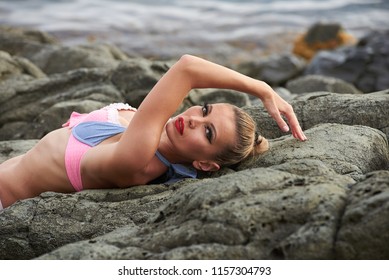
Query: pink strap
point(75, 118)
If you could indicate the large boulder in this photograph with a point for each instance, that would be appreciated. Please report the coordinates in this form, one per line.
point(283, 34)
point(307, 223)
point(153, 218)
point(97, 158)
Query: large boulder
point(325, 107)
point(356, 158)
point(229, 218)
point(290, 208)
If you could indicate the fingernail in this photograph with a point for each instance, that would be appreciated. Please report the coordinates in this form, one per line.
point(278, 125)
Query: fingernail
point(285, 128)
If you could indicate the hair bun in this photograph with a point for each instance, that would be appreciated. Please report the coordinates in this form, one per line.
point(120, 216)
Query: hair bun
point(261, 144)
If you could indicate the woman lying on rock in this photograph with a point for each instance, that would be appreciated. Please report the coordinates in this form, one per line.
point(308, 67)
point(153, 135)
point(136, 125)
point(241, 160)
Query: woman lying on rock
point(119, 146)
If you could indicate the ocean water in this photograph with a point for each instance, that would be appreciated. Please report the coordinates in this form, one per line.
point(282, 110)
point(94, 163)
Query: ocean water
point(168, 28)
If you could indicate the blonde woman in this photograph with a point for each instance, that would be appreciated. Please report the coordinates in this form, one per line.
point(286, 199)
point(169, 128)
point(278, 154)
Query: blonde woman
point(119, 146)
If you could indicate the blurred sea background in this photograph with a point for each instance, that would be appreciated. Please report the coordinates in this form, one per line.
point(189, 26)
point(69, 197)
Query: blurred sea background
point(224, 30)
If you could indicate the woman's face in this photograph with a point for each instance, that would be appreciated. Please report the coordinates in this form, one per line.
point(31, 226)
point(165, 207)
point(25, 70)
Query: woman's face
point(202, 132)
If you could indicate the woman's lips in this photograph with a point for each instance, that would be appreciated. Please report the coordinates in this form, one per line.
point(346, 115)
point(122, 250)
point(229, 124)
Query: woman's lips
point(179, 123)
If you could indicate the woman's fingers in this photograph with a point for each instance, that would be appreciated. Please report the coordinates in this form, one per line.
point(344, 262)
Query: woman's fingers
point(297, 131)
point(279, 107)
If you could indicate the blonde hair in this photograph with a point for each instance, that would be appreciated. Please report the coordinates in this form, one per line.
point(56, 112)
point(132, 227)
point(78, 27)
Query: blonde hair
point(248, 141)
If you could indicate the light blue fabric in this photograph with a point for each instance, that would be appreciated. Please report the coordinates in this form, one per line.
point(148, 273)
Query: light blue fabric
point(176, 172)
point(93, 133)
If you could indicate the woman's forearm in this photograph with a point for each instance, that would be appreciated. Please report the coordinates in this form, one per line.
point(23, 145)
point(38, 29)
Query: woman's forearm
point(205, 74)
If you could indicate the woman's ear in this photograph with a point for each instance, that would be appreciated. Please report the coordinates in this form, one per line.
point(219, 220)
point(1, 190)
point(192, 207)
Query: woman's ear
point(206, 165)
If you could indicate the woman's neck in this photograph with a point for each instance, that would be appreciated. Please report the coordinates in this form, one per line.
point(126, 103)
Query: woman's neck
point(166, 149)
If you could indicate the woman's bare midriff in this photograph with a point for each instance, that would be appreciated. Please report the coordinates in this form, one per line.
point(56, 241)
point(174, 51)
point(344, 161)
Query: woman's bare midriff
point(40, 169)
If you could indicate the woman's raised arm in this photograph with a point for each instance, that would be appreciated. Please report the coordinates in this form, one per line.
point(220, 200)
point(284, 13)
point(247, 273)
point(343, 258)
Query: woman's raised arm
point(205, 74)
point(142, 136)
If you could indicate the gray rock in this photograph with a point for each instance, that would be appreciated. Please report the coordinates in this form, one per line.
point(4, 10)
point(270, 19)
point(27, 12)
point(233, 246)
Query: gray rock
point(364, 229)
point(136, 77)
point(325, 107)
point(31, 109)
point(289, 210)
point(315, 83)
point(358, 157)
point(60, 59)
point(275, 70)
point(364, 65)
point(15, 38)
point(350, 109)
point(322, 32)
point(43, 50)
point(284, 93)
point(27, 233)
point(13, 67)
point(10, 149)
point(202, 96)
point(256, 216)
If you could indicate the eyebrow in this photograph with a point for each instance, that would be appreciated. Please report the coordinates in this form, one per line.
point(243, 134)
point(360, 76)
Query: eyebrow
point(211, 124)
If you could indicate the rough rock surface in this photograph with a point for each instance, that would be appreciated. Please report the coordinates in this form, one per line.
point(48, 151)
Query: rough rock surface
point(314, 83)
point(364, 65)
point(365, 225)
point(326, 198)
point(275, 70)
point(325, 107)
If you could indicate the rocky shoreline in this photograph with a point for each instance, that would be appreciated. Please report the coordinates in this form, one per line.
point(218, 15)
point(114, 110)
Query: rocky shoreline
point(327, 198)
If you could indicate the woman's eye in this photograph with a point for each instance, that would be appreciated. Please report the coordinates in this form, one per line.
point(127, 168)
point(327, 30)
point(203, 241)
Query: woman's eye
point(205, 110)
point(208, 134)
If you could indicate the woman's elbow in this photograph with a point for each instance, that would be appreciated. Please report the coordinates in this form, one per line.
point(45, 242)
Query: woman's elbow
point(187, 59)
point(189, 67)
point(188, 62)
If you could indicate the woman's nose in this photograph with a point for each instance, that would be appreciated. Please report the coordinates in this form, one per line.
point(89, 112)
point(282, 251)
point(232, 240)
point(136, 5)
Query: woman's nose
point(194, 121)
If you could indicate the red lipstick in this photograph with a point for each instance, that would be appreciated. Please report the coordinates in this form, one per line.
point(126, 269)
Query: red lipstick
point(179, 123)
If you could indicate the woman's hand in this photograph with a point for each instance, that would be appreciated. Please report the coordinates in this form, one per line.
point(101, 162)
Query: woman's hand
point(278, 107)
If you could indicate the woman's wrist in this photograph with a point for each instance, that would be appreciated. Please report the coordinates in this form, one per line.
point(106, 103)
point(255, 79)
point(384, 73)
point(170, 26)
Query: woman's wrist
point(263, 90)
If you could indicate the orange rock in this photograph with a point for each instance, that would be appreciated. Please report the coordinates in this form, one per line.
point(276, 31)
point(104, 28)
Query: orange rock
point(321, 37)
